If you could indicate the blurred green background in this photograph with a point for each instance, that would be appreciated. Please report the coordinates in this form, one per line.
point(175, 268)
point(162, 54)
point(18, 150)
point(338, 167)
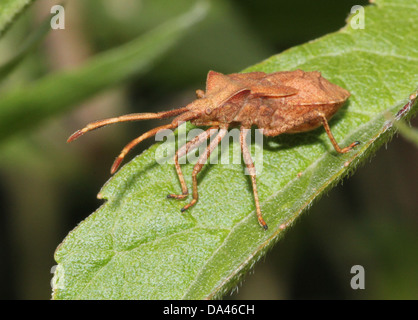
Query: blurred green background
point(47, 187)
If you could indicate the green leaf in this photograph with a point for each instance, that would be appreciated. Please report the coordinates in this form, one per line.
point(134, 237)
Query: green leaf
point(9, 10)
point(58, 92)
point(410, 134)
point(28, 45)
point(138, 245)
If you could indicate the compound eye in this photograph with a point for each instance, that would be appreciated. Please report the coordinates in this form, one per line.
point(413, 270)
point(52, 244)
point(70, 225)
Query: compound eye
point(200, 93)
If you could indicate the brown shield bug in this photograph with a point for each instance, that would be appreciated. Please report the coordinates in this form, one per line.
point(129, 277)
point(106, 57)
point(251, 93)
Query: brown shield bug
point(279, 102)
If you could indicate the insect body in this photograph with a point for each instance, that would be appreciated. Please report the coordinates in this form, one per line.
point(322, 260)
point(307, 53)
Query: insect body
point(280, 102)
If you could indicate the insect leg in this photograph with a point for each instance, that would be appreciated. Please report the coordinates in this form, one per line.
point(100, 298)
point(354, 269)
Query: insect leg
point(331, 137)
point(128, 117)
point(251, 170)
point(201, 162)
point(189, 146)
point(134, 142)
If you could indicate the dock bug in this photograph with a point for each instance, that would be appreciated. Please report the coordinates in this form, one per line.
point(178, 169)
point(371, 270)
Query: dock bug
point(279, 102)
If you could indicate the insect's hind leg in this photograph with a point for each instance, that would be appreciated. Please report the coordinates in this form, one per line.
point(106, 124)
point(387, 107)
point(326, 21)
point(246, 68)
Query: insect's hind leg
point(201, 162)
point(189, 146)
point(251, 170)
point(331, 137)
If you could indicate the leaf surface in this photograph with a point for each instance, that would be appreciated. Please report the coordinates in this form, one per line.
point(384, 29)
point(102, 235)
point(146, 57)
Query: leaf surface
point(138, 245)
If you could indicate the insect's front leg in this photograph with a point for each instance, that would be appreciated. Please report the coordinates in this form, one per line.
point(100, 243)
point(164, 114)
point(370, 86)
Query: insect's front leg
point(251, 170)
point(331, 136)
point(201, 162)
point(134, 142)
point(189, 146)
